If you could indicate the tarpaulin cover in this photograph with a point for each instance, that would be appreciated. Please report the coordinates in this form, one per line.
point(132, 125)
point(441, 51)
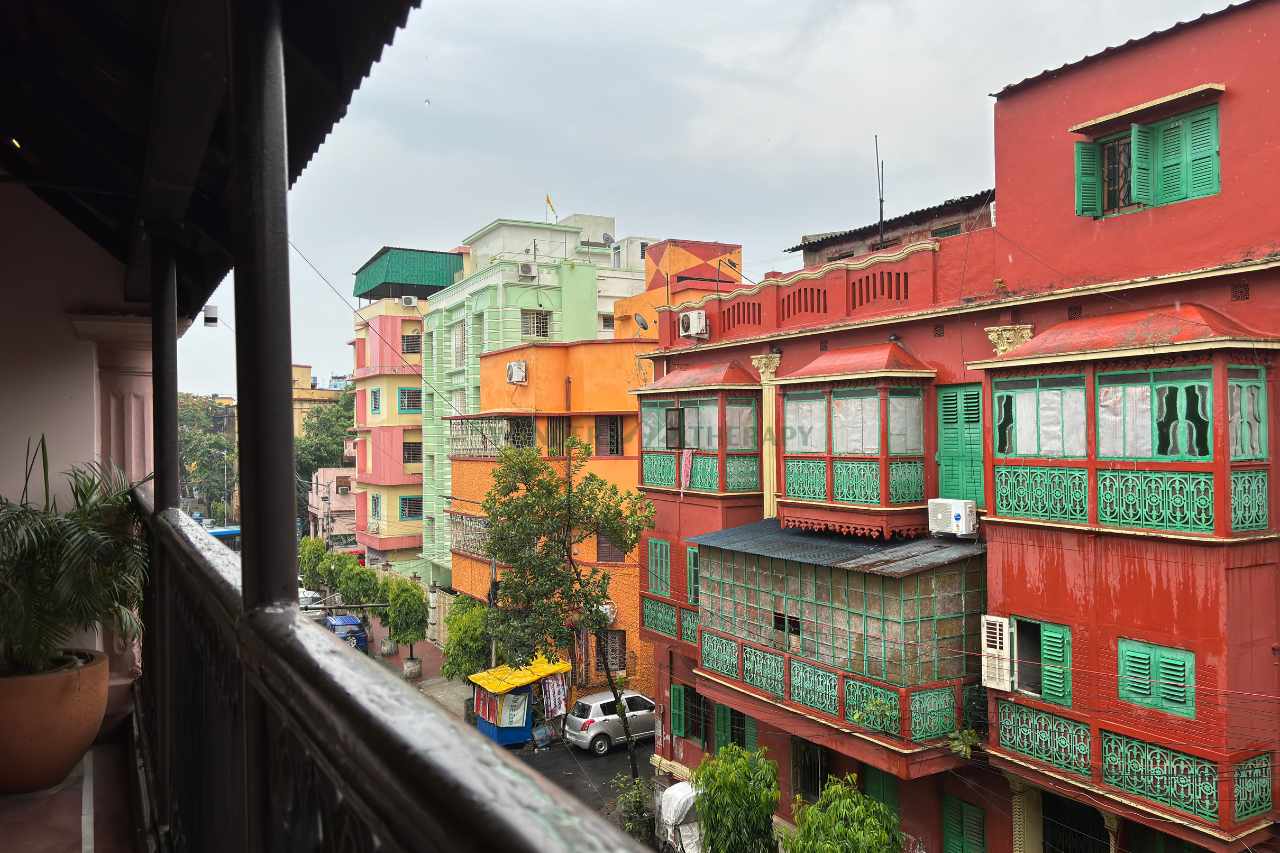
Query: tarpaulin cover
point(502, 679)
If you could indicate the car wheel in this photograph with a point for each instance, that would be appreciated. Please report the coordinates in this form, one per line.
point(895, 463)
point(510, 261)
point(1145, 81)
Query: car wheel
point(600, 744)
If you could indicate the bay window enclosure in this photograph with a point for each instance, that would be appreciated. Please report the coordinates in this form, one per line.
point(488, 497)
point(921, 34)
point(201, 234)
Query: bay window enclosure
point(1159, 458)
point(854, 444)
point(702, 442)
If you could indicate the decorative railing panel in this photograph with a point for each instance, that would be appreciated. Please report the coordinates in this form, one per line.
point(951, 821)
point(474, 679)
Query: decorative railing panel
point(1249, 503)
point(1158, 500)
point(484, 437)
point(1046, 737)
point(1162, 775)
point(689, 626)
point(742, 473)
point(658, 616)
point(806, 479)
point(704, 474)
point(764, 670)
point(814, 687)
point(1052, 494)
point(658, 469)
point(720, 654)
point(856, 482)
point(906, 482)
point(469, 534)
point(933, 713)
point(1253, 786)
point(872, 707)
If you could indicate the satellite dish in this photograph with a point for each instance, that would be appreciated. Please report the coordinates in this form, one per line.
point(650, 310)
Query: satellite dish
point(642, 322)
point(607, 237)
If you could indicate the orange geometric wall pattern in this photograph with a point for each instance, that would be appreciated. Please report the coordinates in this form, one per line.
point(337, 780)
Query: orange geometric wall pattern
point(684, 264)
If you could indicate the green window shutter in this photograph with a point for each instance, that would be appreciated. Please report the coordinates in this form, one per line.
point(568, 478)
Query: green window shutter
point(975, 830)
point(1088, 179)
point(1136, 666)
point(723, 725)
point(659, 567)
point(960, 443)
point(1055, 664)
point(677, 710)
point(1202, 153)
point(1142, 177)
point(952, 825)
point(691, 574)
point(882, 787)
point(1176, 681)
point(749, 734)
point(1171, 161)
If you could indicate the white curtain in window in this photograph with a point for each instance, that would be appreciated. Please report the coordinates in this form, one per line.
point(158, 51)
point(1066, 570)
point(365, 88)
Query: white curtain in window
point(805, 423)
point(701, 427)
point(1246, 407)
point(855, 425)
point(906, 424)
point(654, 426)
point(1050, 405)
point(1024, 418)
point(740, 420)
point(1073, 428)
point(1137, 417)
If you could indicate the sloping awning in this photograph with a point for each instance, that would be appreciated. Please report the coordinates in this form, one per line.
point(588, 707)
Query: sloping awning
point(1150, 331)
point(866, 362)
point(768, 538)
point(503, 679)
point(704, 377)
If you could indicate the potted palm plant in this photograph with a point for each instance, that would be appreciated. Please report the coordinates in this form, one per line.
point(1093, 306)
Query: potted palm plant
point(62, 571)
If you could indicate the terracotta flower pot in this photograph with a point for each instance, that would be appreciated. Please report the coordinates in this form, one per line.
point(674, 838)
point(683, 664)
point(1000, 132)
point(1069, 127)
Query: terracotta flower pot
point(50, 720)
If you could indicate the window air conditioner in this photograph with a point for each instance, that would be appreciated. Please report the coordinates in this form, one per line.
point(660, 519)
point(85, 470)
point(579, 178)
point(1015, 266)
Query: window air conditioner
point(955, 517)
point(517, 372)
point(693, 324)
point(409, 301)
point(344, 490)
point(527, 270)
point(997, 653)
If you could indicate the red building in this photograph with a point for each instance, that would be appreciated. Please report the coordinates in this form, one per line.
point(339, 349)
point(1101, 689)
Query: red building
point(1094, 370)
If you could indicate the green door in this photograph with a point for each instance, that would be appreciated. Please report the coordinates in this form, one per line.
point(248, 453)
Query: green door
point(960, 442)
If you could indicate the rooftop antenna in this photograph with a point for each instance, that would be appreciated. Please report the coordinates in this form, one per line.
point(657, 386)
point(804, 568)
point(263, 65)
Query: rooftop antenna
point(880, 188)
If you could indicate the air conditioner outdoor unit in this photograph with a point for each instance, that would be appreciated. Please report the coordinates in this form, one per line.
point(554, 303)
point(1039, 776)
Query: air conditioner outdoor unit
point(693, 324)
point(344, 490)
point(409, 301)
point(527, 270)
point(517, 372)
point(956, 517)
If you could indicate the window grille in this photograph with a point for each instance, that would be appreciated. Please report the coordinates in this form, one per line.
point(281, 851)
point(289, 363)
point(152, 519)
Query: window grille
point(558, 431)
point(535, 324)
point(375, 505)
point(608, 435)
point(614, 653)
point(606, 322)
point(608, 552)
point(412, 452)
point(410, 507)
point(458, 401)
point(411, 344)
point(470, 535)
point(375, 401)
point(409, 400)
point(479, 437)
point(458, 333)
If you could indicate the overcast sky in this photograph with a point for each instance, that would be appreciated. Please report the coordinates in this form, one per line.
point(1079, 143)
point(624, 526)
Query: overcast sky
point(745, 121)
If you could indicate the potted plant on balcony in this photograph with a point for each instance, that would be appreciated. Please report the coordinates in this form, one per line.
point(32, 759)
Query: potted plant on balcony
point(62, 572)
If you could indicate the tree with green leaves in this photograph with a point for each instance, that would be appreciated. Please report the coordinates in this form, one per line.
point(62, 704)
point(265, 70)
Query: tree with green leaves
point(407, 613)
point(332, 566)
point(325, 430)
point(843, 819)
point(466, 650)
point(539, 513)
point(736, 796)
point(204, 445)
point(358, 584)
point(311, 552)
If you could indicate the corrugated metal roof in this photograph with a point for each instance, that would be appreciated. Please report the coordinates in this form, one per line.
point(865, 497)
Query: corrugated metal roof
point(813, 240)
point(768, 538)
point(1053, 72)
point(394, 265)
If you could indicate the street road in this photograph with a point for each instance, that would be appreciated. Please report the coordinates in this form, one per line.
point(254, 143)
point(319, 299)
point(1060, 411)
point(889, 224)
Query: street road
point(584, 774)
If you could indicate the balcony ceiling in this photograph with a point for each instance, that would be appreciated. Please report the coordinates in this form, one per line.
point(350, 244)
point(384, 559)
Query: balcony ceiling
point(115, 113)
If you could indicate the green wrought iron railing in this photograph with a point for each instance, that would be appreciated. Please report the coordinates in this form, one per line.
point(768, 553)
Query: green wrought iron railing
point(720, 654)
point(1052, 494)
point(906, 481)
point(814, 687)
point(658, 616)
point(1157, 500)
point(742, 473)
point(1253, 786)
point(1046, 737)
point(658, 469)
point(764, 670)
point(704, 474)
point(1249, 503)
point(933, 713)
point(806, 479)
point(872, 707)
point(1162, 775)
point(689, 626)
point(856, 482)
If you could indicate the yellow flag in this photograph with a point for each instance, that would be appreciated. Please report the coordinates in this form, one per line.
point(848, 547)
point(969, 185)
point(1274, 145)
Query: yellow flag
point(551, 206)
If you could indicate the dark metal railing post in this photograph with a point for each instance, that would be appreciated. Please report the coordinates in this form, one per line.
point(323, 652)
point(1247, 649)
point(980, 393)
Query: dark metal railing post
point(158, 606)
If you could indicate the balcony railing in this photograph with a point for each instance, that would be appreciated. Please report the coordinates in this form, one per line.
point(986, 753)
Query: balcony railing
point(262, 728)
point(484, 437)
point(661, 468)
point(853, 481)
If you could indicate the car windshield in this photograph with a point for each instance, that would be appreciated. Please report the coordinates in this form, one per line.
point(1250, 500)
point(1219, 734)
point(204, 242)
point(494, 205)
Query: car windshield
point(344, 630)
point(581, 710)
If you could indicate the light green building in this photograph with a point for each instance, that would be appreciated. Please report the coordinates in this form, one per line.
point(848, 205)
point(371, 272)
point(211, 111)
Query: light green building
point(522, 281)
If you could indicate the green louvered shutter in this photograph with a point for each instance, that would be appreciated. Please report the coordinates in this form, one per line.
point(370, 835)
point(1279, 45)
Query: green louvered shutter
point(975, 830)
point(1055, 664)
point(1202, 153)
point(659, 567)
point(724, 722)
point(1175, 680)
point(1142, 178)
point(1171, 161)
point(882, 787)
point(952, 825)
point(1088, 179)
point(1136, 665)
point(960, 443)
point(677, 710)
point(749, 736)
